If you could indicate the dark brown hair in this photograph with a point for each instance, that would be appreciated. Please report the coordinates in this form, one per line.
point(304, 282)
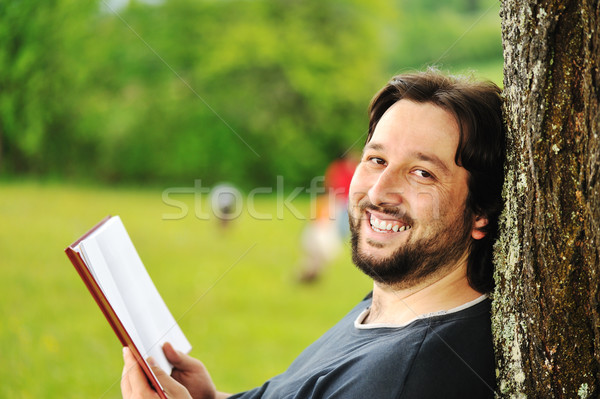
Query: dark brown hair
point(477, 107)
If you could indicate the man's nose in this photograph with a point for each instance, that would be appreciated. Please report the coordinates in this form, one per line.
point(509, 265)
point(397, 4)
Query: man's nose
point(387, 189)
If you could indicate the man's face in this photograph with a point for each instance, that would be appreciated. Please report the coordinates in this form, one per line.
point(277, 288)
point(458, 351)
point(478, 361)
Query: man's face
point(407, 198)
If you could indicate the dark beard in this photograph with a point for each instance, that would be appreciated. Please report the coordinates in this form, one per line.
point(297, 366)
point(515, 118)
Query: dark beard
point(414, 262)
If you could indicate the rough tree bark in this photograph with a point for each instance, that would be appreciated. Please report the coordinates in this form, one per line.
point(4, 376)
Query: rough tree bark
point(546, 313)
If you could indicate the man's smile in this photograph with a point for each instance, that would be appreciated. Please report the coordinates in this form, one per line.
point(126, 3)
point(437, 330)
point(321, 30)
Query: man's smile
point(381, 225)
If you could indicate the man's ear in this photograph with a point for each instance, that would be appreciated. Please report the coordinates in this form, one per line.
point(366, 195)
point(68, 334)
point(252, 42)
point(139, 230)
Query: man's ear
point(478, 224)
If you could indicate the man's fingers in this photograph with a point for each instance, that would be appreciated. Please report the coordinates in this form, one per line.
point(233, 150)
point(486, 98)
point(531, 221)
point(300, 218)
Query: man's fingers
point(180, 360)
point(125, 385)
point(133, 378)
point(171, 387)
point(171, 354)
point(190, 373)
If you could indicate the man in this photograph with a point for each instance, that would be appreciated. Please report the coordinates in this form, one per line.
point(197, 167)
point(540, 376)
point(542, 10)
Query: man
point(424, 204)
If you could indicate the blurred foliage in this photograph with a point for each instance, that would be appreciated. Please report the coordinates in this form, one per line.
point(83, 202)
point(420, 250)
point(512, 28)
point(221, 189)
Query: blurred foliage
point(236, 90)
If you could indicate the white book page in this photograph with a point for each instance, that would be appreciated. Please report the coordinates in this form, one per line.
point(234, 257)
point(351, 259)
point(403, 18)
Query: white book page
point(128, 287)
point(92, 255)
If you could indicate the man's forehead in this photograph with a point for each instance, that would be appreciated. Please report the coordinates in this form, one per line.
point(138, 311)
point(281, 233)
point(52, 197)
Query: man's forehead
point(425, 129)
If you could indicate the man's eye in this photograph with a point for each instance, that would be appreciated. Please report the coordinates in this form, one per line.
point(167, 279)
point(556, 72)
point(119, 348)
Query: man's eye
point(377, 160)
point(423, 173)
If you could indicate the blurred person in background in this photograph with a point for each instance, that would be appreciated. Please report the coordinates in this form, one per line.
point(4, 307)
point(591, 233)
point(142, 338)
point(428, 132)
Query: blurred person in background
point(225, 202)
point(322, 238)
point(424, 205)
point(337, 183)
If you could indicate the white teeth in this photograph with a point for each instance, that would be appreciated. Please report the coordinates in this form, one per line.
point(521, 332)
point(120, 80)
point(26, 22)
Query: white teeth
point(386, 226)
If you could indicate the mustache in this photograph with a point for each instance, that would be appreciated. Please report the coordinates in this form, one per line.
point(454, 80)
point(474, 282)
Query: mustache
point(396, 213)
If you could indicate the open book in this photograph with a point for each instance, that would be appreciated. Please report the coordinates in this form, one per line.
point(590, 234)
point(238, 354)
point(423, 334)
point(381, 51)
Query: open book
point(113, 272)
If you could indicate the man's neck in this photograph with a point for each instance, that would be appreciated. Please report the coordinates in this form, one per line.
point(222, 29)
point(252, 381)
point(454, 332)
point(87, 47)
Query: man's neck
point(398, 305)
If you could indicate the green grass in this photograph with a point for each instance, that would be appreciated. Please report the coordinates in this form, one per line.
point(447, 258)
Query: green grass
point(233, 291)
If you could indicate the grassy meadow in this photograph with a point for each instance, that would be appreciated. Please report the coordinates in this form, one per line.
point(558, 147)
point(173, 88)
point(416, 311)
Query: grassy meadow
point(233, 291)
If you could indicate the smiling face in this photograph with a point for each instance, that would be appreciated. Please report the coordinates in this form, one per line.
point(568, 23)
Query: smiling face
point(407, 198)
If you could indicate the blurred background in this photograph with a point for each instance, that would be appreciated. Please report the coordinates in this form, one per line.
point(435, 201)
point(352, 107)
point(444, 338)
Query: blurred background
point(107, 105)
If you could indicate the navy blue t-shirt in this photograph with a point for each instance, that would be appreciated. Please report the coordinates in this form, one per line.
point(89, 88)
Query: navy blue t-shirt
point(439, 356)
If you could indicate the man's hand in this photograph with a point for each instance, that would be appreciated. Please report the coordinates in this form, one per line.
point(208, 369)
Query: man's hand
point(134, 384)
point(191, 373)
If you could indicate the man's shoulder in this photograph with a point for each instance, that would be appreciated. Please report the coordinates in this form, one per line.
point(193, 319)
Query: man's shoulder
point(456, 357)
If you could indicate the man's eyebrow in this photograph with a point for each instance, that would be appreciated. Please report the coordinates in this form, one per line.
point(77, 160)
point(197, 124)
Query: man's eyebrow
point(373, 146)
point(432, 158)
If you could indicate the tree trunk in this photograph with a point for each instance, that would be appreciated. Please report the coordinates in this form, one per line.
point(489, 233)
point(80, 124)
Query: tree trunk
point(546, 314)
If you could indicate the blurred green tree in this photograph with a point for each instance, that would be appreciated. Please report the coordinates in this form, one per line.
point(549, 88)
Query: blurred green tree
point(232, 90)
point(241, 91)
point(40, 78)
point(458, 35)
